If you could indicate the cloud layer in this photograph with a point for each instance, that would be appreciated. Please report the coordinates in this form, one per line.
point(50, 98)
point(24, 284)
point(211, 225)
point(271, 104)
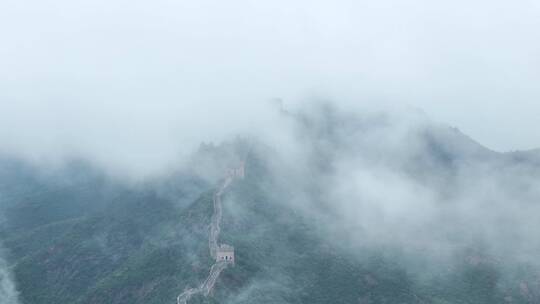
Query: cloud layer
point(399, 180)
point(132, 84)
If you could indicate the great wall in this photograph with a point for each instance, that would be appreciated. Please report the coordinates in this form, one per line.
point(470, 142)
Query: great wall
point(222, 254)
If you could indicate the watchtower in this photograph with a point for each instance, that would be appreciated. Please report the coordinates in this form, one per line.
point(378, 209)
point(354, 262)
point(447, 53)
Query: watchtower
point(225, 253)
point(238, 172)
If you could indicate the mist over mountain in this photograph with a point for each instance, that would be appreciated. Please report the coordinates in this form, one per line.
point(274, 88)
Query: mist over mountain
point(241, 151)
point(336, 206)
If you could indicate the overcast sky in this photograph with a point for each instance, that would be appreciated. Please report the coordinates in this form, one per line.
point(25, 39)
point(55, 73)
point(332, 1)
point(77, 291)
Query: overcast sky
point(150, 76)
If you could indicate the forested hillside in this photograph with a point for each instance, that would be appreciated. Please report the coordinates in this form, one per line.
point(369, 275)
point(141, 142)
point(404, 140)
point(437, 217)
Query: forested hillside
point(77, 235)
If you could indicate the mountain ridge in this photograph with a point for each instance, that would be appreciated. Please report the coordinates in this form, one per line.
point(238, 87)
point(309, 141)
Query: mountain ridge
point(297, 237)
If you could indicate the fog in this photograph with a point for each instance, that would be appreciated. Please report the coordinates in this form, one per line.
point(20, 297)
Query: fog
point(134, 85)
point(398, 180)
point(8, 293)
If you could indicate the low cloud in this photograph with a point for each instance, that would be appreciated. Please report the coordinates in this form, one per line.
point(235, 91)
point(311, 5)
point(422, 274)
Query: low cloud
point(8, 292)
point(136, 86)
point(400, 180)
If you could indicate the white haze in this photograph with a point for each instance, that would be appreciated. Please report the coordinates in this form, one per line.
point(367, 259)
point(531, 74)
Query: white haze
point(378, 178)
point(8, 293)
point(135, 84)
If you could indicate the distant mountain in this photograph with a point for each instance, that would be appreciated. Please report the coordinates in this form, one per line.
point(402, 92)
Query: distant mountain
point(79, 236)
